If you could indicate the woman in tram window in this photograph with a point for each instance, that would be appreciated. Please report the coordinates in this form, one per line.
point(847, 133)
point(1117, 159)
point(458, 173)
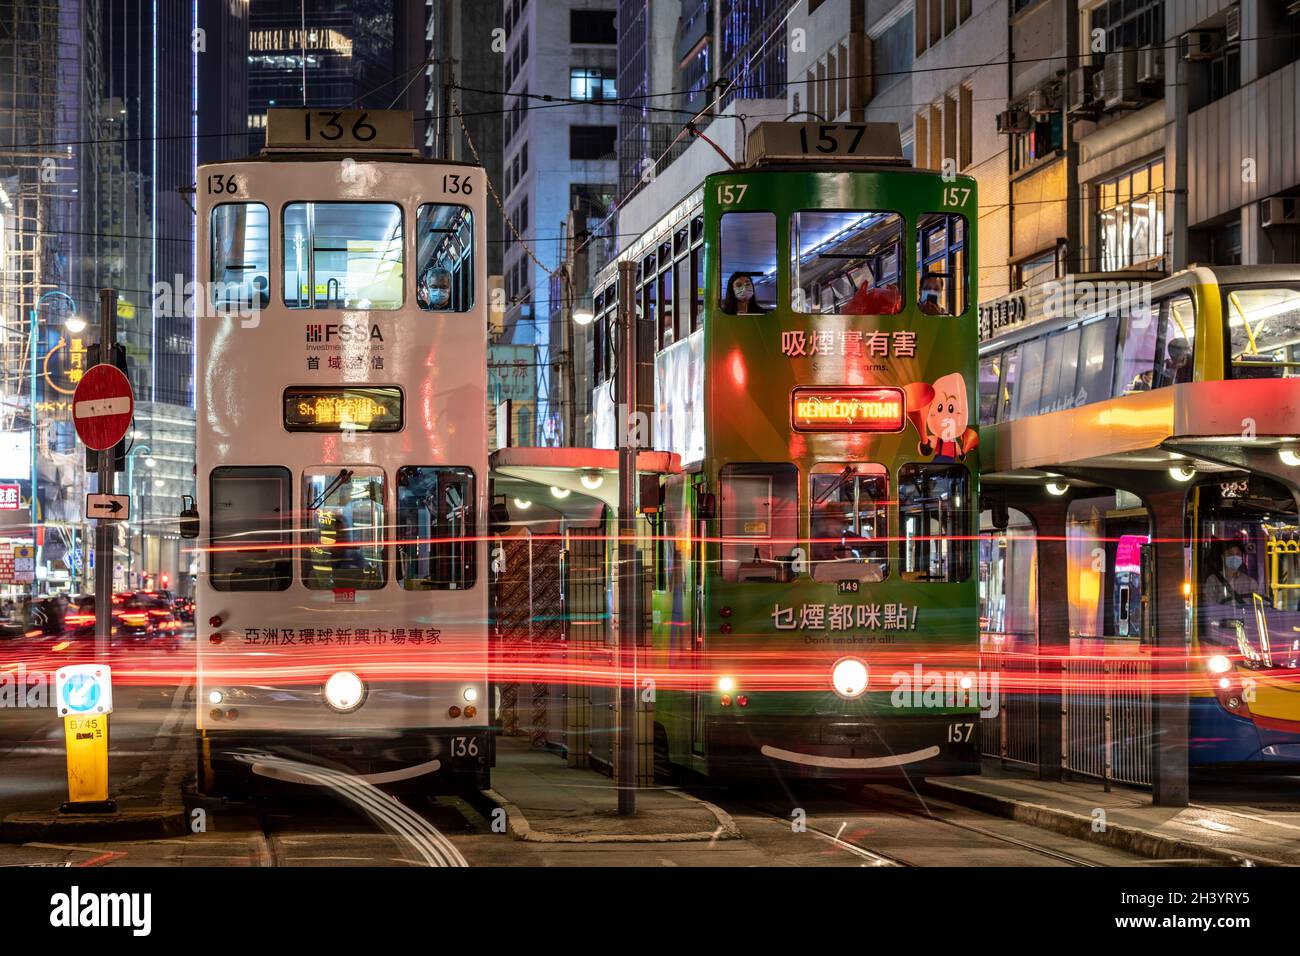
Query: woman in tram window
point(1230, 582)
point(739, 298)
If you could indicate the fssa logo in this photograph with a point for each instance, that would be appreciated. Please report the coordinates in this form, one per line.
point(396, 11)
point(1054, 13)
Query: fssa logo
point(74, 908)
point(342, 332)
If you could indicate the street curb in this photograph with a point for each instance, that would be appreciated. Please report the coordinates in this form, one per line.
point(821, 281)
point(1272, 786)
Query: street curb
point(52, 826)
point(518, 827)
point(1118, 836)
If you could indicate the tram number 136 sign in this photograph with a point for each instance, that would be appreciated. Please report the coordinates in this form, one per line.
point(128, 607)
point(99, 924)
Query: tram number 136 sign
point(102, 407)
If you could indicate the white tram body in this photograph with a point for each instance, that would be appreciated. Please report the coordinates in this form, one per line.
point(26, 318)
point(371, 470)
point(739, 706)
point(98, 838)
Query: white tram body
point(342, 468)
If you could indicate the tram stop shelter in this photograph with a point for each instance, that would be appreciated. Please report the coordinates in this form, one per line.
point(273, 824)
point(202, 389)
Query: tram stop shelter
point(1117, 707)
point(554, 598)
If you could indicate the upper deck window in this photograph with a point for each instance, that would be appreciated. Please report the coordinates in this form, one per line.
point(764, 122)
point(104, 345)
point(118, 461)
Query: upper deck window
point(1263, 332)
point(941, 264)
point(444, 236)
point(240, 248)
point(748, 259)
point(343, 528)
point(343, 255)
point(848, 263)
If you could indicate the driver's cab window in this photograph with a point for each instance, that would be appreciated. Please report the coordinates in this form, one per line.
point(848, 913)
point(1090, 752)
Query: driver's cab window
point(759, 511)
point(343, 528)
point(445, 257)
point(849, 531)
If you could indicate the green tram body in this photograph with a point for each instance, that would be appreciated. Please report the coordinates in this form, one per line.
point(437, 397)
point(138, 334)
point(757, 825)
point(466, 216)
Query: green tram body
point(746, 418)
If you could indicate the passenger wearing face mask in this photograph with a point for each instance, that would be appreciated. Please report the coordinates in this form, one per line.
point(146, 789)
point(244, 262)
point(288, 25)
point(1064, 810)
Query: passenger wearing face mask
point(1231, 583)
point(932, 295)
point(435, 289)
point(739, 297)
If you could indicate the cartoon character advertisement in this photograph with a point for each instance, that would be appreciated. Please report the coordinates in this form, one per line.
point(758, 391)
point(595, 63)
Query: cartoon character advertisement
point(940, 413)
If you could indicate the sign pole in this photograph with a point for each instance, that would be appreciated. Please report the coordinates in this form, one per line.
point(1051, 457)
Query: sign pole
point(629, 584)
point(105, 531)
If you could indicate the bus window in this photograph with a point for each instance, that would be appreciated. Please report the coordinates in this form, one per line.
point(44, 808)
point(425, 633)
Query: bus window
point(849, 530)
point(990, 378)
point(1096, 360)
point(941, 264)
point(251, 511)
point(343, 255)
point(436, 528)
point(444, 236)
point(1031, 377)
point(1177, 340)
point(240, 243)
point(848, 263)
point(748, 262)
point(1010, 375)
point(1060, 367)
point(1139, 330)
point(934, 525)
point(1264, 332)
point(759, 505)
point(343, 529)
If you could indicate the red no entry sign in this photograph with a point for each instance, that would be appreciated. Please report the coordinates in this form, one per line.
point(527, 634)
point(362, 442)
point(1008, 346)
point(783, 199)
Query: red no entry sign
point(102, 407)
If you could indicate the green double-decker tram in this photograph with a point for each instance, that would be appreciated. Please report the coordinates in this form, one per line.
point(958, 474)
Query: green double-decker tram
point(814, 594)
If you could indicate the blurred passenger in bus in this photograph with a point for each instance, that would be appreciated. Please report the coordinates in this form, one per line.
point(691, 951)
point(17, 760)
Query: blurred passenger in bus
point(931, 295)
point(1177, 367)
point(872, 299)
point(1229, 582)
point(739, 297)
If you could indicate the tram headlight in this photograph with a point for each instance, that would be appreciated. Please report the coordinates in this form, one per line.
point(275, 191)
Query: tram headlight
point(471, 694)
point(726, 684)
point(849, 678)
point(1218, 664)
point(344, 691)
point(215, 697)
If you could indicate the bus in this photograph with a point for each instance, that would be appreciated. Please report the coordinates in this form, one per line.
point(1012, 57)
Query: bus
point(812, 321)
point(342, 451)
point(1188, 386)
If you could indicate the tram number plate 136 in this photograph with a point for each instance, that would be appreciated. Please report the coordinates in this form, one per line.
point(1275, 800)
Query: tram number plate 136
point(465, 747)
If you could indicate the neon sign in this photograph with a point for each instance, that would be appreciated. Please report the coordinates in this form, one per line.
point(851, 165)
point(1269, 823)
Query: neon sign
point(369, 408)
point(847, 408)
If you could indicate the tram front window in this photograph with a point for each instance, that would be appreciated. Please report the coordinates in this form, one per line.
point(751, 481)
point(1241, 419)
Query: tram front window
point(240, 247)
point(251, 522)
point(1264, 329)
point(445, 258)
point(435, 524)
point(934, 522)
point(849, 528)
point(343, 255)
point(748, 257)
point(1248, 561)
point(759, 508)
point(941, 264)
point(848, 263)
point(343, 528)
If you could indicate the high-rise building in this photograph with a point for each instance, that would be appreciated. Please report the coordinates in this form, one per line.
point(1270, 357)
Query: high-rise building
point(222, 100)
point(322, 53)
point(558, 157)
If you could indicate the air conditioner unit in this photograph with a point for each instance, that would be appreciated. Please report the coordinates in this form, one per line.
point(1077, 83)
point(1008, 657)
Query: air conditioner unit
point(1279, 211)
point(1044, 102)
point(1121, 79)
point(1151, 64)
point(1015, 121)
point(1099, 88)
point(1233, 31)
point(1199, 44)
point(1078, 95)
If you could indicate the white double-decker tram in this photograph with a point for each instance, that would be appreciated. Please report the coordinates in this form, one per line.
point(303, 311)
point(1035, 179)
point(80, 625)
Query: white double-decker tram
point(342, 452)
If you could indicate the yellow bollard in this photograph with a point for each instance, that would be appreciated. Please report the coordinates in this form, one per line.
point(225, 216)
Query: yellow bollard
point(85, 699)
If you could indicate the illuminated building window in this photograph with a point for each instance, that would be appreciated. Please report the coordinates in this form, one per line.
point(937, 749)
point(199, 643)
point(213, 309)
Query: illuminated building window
point(591, 83)
point(1131, 217)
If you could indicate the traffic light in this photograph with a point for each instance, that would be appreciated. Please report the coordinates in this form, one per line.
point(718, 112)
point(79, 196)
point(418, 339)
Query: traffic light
point(118, 450)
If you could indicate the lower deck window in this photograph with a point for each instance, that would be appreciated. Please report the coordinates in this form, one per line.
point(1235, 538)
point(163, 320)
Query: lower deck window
point(759, 508)
point(343, 528)
point(436, 528)
point(934, 522)
point(849, 528)
point(251, 523)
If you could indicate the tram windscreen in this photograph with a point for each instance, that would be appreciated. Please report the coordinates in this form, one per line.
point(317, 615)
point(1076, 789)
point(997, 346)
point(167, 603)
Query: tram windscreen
point(343, 529)
point(1264, 330)
point(1248, 574)
point(934, 522)
point(251, 523)
point(360, 408)
point(848, 263)
point(848, 515)
point(343, 255)
point(759, 510)
point(445, 258)
point(436, 528)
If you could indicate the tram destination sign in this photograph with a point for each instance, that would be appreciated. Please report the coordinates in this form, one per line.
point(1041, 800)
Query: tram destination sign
point(847, 408)
point(361, 408)
point(354, 130)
